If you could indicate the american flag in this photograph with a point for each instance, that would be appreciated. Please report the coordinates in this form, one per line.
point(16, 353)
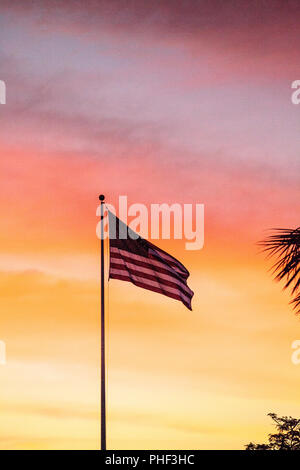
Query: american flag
point(136, 260)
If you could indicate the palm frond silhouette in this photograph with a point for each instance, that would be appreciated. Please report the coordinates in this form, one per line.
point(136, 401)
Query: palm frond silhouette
point(284, 245)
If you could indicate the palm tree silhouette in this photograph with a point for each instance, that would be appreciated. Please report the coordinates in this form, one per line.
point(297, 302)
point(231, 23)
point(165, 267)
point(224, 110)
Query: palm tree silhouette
point(284, 245)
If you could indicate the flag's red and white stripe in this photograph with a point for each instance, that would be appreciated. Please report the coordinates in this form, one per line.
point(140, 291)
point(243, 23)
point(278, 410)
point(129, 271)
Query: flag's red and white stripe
point(147, 266)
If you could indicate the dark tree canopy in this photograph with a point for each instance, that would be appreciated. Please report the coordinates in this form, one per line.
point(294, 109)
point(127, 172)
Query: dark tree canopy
point(285, 246)
point(287, 436)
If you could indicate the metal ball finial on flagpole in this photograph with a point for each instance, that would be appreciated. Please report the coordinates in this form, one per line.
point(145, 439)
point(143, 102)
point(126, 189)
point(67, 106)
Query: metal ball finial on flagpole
point(103, 394)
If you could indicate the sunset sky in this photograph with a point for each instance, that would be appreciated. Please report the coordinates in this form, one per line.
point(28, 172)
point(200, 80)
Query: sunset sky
point(162, 101)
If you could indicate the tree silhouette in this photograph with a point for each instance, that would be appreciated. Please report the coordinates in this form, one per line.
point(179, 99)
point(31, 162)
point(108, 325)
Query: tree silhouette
point(285, 245)
point(287, 436)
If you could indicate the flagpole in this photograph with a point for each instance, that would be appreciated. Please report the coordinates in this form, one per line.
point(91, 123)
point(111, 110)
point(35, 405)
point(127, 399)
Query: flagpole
point(103, 395)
